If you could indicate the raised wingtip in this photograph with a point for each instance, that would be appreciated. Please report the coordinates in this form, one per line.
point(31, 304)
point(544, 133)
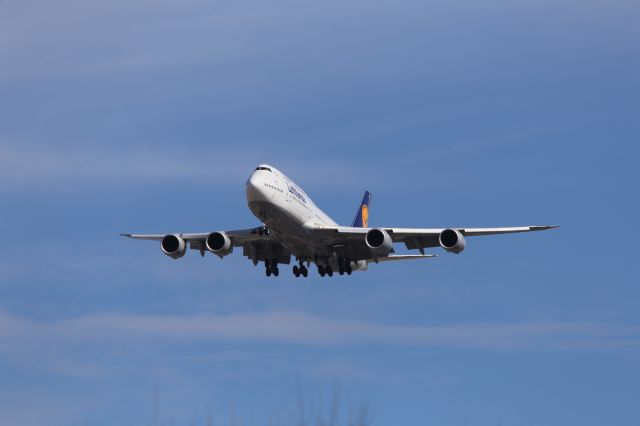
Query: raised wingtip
point(544, 228)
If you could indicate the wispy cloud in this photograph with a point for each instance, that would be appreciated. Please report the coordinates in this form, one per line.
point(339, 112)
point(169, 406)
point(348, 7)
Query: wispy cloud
point(60, 39)
point(290, 327)
point(115, 345)
point(37, 166)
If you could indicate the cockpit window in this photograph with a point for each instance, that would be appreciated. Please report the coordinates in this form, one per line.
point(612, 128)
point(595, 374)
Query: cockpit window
point(263, 168)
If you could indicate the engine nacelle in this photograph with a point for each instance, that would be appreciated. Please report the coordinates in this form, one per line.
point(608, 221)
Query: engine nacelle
point(219, 243)
point(452, 241)
point(174, 246)
point(379, 241)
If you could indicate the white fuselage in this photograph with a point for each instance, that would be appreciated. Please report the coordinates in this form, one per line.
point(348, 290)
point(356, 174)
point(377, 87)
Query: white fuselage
point(286, 210)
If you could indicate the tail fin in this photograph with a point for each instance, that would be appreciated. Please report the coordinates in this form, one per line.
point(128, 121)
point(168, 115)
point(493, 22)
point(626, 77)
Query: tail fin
point(362, 215)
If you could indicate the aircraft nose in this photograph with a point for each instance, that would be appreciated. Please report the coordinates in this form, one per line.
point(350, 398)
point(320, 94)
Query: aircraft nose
point(255, 188)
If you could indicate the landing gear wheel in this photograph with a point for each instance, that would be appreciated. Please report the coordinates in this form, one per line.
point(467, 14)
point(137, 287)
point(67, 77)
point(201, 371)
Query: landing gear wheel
point(329, 271)
point(321, 270)
point(296, 271)
point(302, 270)
point(268, 271)
point(276, 271)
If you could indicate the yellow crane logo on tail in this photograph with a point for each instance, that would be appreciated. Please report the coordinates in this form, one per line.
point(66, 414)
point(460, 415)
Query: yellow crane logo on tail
point(365, 216)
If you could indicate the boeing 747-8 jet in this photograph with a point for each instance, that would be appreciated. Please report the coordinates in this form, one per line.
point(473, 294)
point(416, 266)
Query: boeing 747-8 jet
point(293, 226)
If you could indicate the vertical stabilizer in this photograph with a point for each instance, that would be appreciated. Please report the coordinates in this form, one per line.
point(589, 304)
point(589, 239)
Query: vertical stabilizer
point(362, 215)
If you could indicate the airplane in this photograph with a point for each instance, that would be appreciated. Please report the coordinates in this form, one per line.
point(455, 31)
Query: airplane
point(293, 226)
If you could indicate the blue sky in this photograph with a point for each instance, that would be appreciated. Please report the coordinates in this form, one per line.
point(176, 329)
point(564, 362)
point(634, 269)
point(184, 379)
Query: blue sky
point(147, 116)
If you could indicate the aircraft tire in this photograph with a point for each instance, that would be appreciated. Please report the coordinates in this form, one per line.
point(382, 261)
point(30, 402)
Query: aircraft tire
point(348, 267)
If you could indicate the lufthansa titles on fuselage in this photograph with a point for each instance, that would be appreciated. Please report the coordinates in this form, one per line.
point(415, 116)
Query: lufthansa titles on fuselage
point(296, 193)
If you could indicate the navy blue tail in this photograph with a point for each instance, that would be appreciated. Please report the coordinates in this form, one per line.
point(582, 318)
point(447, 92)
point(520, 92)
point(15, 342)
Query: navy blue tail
point(362, 215)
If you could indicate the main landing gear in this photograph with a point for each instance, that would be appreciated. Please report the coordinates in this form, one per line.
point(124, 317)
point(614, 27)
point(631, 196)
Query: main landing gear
point(324, 270)
point(271, 267)
point(300, 270)
point(344, 267)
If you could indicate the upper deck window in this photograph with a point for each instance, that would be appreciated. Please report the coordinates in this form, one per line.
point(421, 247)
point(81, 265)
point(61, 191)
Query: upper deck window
point(263, 168)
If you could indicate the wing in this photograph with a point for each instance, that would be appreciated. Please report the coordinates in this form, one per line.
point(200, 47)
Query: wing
point(413, 238)
point(256, 243)
point(238, 237)
point(395, 257)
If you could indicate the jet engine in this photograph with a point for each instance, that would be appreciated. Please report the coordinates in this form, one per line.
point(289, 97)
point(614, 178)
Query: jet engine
point(219, 243)
point(174, 246)
point(452, 241)
point(379, 241)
